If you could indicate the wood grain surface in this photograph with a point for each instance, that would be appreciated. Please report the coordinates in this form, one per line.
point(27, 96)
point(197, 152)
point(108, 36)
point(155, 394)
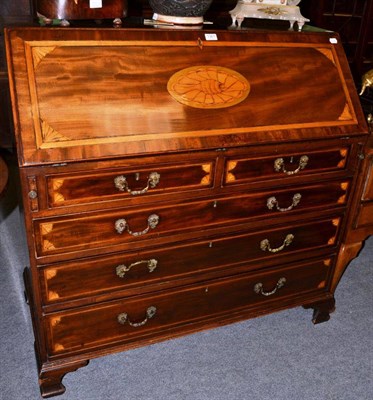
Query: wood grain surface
point(110, 90)
point(4, 174)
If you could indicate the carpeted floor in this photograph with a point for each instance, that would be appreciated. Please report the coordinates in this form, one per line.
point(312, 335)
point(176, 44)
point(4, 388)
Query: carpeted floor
point(282, 356)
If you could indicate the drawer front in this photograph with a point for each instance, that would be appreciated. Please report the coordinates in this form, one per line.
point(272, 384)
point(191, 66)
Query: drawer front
point(78, 233)
point(90, 187)
point(240, 169)
point(61, 282)
point(132, 319)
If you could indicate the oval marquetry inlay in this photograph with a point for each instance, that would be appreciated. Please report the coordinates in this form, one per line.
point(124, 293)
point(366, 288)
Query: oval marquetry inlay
point(208, 87)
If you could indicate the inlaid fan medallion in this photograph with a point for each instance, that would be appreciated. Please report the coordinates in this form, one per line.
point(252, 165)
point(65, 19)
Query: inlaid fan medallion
point(208, 87)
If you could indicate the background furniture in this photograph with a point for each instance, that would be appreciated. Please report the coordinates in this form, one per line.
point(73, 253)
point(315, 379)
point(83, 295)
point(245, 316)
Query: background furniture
point(353, 20)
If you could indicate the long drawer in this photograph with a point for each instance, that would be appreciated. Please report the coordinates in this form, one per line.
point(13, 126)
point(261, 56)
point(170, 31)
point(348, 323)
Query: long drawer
point(66, 281)
point(71, 233)
point(131, 319)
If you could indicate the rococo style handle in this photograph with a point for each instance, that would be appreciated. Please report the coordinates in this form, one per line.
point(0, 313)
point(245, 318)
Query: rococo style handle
point(123, 318)
point(280, 165)
point(265, 246)
point(123, 269)
point(121, 184)
point(258, 288)
point(121, 225)
point(272, 202)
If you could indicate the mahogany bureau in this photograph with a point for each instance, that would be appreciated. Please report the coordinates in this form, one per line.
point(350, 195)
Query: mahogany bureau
point(178, 180)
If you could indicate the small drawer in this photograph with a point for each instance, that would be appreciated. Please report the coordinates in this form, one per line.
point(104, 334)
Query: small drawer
point(72, 233)
point(132, 272)
point(134, 319)
point(239, 169)
point(86, 187)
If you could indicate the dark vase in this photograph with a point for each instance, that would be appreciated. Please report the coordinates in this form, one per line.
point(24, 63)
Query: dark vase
point(193, 9)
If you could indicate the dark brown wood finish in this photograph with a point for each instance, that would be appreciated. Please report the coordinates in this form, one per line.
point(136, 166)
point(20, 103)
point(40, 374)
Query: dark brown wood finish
point(4, 174)
point(127, 274)
point(72, 332)
point(144, 211)
point(360, 220)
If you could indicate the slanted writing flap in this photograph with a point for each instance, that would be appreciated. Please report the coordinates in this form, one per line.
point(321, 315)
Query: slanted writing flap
point(127, 96)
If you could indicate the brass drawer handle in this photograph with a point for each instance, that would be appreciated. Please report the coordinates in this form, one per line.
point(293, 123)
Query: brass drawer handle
point(121, 184)
point(121, 225)
point(123, 318)
point(279, 165)
point(265, 246)
point(123, 269)
point(272, 202)
point(258, 288)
